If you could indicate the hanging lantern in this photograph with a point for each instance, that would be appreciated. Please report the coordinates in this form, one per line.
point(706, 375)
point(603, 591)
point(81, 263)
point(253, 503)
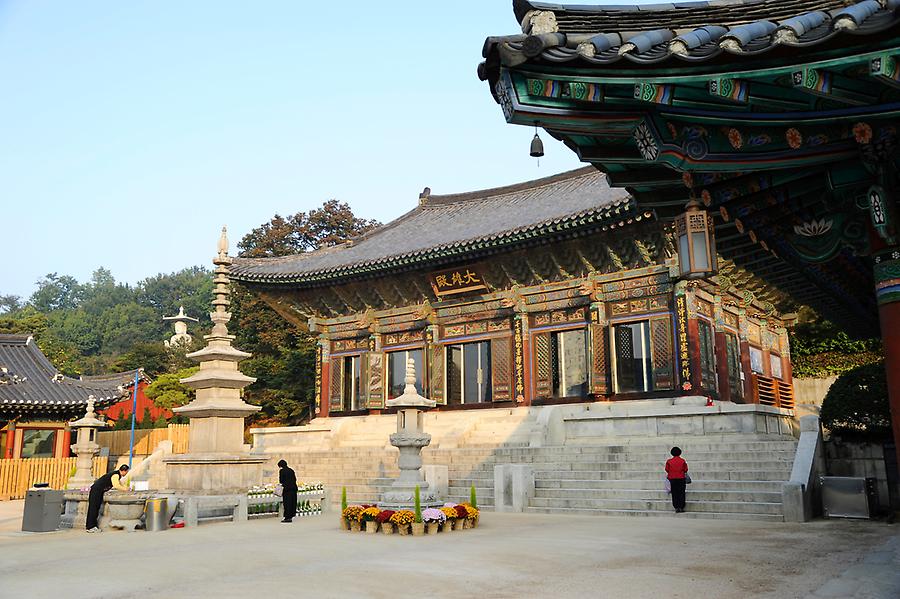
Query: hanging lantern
point(537, 146)
point(696, 242)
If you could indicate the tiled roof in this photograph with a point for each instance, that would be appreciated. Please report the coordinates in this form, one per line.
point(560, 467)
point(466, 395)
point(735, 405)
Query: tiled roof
point(30, 386)
point(690, 31)
point(117, 378)
point(455, 227)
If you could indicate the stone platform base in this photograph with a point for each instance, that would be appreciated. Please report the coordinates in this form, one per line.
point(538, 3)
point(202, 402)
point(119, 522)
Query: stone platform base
point(214, 474)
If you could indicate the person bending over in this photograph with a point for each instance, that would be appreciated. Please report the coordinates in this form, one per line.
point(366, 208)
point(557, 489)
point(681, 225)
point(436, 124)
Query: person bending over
point(111, 480)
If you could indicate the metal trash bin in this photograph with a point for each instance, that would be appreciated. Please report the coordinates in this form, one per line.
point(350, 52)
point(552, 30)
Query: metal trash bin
point(43, 510)
point(156, 512)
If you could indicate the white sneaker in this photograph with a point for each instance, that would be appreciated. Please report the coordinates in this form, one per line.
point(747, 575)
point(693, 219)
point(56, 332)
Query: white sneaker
point(95, 529)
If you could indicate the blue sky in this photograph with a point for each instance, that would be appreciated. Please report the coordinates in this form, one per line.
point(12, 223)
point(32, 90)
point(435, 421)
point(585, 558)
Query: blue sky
point(132, 131)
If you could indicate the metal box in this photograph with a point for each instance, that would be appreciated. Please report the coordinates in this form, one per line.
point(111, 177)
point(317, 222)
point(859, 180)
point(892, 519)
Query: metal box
point(43, 508)
point(849, 497)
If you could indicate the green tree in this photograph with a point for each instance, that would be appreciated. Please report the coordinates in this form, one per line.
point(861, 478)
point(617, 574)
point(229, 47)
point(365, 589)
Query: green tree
point(167, 392)
point(819, 348)
point(283, 359)
point(10, 304)
point(56, 293)
point(857, 404)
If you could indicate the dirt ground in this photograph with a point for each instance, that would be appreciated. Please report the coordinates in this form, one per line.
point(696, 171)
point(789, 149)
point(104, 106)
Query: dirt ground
point(509, 555)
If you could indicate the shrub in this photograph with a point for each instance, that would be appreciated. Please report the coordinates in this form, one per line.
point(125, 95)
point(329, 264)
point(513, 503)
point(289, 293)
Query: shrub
point(418, 503)
point(857, 404)
point(343, 499)
point(472, 501)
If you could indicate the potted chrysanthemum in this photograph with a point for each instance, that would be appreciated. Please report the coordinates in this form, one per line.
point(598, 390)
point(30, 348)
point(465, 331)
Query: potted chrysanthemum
point(384, 519)
point(352, 513)
point(369, 516)
point(403, 519)
point(450, 514)
point(433, 518)
point(462, 517)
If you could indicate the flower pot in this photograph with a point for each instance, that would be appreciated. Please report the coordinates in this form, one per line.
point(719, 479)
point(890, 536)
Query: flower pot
point(403, 530)
point(371, 527)
point(431, 528)
point(345, 524)
point(418, 529)
point(387, 528)
point(473, 522)
point(354, 526)
point(466, 523)
point(459, 523)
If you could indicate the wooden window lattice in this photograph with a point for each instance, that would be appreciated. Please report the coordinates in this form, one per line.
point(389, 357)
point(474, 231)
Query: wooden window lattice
point(543, 365)
point(501, 369)
point(663, 353)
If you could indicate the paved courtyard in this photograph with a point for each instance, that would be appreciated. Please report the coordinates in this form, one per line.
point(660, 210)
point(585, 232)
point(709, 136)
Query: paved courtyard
point(510, 555)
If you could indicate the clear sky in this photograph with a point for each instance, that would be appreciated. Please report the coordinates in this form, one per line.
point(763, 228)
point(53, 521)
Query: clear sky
point(130, 132)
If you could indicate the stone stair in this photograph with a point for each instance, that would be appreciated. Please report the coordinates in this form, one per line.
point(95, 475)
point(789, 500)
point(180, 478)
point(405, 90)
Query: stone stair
point(734, 477)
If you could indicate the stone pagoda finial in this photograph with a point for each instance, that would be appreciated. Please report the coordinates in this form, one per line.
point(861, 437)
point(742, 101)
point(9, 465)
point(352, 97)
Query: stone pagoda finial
point(222, 291)
point(410, 397)
point(90, 407)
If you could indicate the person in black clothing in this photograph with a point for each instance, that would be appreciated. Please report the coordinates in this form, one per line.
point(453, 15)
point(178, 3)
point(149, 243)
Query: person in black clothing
point(110, 480)
point(288, 481)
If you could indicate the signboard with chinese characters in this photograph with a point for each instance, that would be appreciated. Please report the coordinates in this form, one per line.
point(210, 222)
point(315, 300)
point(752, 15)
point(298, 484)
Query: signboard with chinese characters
point(457, 280)
point(683, 355)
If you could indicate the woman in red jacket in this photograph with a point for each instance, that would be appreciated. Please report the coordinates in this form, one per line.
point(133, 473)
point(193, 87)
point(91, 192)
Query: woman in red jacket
point(676, 472)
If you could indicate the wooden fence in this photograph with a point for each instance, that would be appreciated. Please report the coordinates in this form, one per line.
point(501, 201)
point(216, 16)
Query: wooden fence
point(16, 476)
point(145, 439)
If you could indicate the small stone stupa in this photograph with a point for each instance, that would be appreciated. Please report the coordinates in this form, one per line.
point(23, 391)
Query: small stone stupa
point(217, 462)
point(410, 438)
point(85, 447)
point(181, 321)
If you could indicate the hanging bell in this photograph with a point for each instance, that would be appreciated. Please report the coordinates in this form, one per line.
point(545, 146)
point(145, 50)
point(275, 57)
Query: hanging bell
point(537, 146)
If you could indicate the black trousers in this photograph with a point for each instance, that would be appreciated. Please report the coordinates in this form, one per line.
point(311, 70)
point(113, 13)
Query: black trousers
point(678, 489)
point(289, 498)
point(95, 500)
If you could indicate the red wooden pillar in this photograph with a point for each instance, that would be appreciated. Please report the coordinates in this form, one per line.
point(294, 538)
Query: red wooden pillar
point(10, 440)
point(67, 442)
point(887, 290)
point(722, 366)
point(746, 368)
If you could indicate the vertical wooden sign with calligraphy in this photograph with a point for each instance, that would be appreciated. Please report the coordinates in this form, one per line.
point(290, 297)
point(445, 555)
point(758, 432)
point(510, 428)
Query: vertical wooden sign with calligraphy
point(599, 353)
point(376, 375)
point(318, 397)
point(519, 355)
point(684, 356)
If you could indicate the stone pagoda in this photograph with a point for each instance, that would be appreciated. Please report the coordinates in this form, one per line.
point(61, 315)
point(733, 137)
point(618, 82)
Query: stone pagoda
point(217, 462)
point(181, 336)
point(410, 438)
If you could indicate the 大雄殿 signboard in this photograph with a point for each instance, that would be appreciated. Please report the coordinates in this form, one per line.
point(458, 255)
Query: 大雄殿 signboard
point(457, 280)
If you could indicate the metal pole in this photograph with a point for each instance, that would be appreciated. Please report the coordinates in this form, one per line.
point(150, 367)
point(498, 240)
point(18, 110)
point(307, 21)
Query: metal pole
point(137, 374)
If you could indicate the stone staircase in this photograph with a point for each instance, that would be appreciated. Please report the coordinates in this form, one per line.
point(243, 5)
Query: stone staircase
point(734, 478)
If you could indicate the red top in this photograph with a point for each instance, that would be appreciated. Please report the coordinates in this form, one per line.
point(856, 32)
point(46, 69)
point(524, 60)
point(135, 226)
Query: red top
point(676, 468)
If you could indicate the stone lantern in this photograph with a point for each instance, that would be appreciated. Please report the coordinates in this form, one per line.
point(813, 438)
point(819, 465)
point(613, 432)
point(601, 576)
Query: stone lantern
point(85, 447)
point(410, 438)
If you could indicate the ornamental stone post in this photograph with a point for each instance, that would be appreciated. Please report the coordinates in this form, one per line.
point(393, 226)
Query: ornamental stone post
point(409, 439)
point(85, 447)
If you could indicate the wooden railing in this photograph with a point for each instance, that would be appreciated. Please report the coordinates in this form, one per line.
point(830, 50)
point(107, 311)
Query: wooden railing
point(772, 392)
point(17, 475)
point(145, 440)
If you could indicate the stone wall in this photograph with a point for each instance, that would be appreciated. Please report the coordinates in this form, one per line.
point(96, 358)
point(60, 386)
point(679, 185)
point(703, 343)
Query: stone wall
point(866, 460)
point(812, 391)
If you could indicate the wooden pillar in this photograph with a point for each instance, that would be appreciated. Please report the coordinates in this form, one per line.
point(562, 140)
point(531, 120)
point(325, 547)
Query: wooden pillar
point(10, 439)
point(693, 334)
point(721, 350)
point(887, 291)
point(522, 359)
point(323, 377)
point(683, 347)
point(599, 367)
point(746, 369)
point(66, 442)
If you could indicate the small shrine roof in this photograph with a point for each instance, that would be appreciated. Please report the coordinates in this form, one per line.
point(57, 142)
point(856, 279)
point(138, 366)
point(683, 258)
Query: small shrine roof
point(31, 386)
point(689, 31)
point(444, 228)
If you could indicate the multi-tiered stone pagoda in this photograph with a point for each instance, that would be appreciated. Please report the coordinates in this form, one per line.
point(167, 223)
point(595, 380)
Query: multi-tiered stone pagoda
point(217, 461)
